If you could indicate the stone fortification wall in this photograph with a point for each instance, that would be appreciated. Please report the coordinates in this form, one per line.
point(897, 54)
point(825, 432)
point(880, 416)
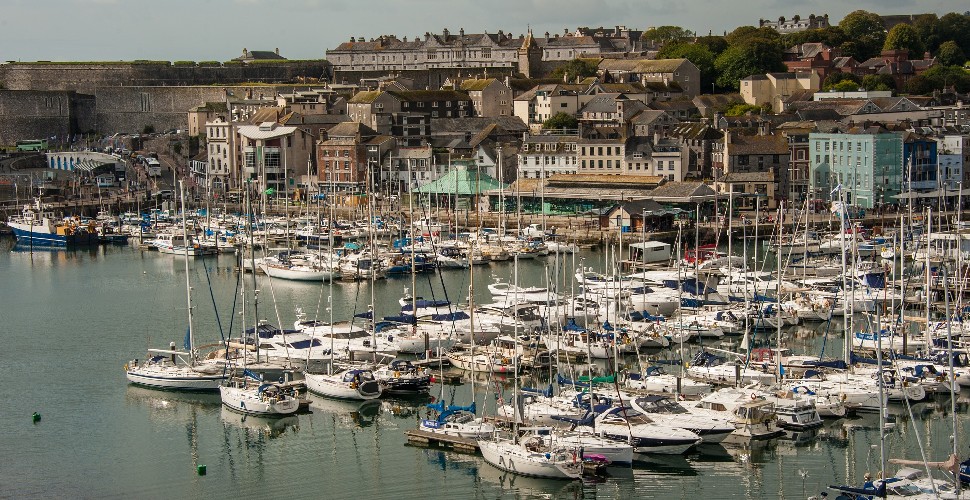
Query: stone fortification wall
point(87, 77)
point(33, 114)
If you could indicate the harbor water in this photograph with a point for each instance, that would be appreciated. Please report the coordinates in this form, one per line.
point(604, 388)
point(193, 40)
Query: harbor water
point(71, 320)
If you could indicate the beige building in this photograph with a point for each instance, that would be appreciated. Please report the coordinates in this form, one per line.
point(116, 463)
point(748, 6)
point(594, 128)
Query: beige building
point(667, 71)
point(489, 96)
point(776, 88)
point(222, 155)
point(601, 156)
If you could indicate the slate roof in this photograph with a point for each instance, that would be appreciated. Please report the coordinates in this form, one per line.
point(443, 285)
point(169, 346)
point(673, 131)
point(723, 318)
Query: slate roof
point(477, 84)
point(772, 144)
point(683, 191)
point(748, 177)
point(351, 129)
point(474, 124)
point(642, 65)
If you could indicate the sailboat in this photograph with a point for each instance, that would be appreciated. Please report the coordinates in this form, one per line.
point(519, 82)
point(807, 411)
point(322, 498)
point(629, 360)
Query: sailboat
point(248, 394)
point(530, 455)
point(177, 370)
point(353, 382)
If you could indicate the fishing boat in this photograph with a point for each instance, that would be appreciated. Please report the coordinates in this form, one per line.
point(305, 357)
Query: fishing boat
point(37, 226)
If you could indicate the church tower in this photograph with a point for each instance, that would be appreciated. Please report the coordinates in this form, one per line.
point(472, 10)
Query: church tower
point(530, 57)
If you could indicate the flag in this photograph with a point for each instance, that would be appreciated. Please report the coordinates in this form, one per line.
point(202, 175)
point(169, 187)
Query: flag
point(836, 189)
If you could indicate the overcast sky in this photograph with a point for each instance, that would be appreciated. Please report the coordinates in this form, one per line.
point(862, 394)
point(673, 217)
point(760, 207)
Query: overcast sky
point(202, 30)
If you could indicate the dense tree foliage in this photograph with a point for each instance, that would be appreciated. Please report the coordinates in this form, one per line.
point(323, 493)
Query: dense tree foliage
point(666, 34)
point(577, 67)
point(560, 121)
point(754, 56)
point(879, 82)
point(904, 37)
point(950, 54)
point(865, 33)
point(836, 78)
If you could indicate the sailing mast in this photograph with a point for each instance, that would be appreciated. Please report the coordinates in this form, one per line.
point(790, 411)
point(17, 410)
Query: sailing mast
point(188, 288)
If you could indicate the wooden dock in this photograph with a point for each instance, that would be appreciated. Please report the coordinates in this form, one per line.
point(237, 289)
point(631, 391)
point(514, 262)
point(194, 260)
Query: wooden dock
point(425, 438)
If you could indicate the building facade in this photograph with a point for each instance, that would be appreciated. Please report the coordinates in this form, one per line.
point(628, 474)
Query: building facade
point(865, 163)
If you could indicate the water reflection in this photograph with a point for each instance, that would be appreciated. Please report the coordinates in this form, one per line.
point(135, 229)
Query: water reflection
point(345, 413)
point(170, 406)
point(260, 427)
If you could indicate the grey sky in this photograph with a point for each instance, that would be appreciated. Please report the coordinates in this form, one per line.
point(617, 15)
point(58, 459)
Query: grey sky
point(303, 29)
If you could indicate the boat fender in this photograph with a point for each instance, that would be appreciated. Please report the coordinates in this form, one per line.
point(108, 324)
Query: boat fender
point(754, 396)
point(126, 367)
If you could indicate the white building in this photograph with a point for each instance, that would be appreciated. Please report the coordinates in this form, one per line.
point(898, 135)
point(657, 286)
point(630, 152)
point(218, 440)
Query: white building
point(542, 156)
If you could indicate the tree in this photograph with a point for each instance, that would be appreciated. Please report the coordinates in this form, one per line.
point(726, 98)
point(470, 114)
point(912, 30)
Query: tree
point(666, 34)
point(740, 108)
point(715, 44)
point(865, 34)
point(577, 67)
point(955, 27)
point(560, 121)
point(698, 54)
point(755, 56)
point(904, 37)
point(744, 33)
point(927, 25)
point(845, 86)
point(879, 82)
point(836, 78)
point(950, 54)
point(833, 36)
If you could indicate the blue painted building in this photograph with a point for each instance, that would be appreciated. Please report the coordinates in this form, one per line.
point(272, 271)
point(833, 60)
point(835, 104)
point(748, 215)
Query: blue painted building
point(921, 161)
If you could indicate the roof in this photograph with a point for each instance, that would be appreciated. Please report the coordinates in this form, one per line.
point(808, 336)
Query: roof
point(696, 131)
point(474, 124)
point(748, 177)
point(683, 192)
point(265, 131)
point(642, 65)
point(351, 129)
point(477, 84)
point(365, 97)
point(463, 181)
point(771, 144)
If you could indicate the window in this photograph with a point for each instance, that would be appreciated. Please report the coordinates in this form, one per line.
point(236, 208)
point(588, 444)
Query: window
point(487, 53)
point(346, 165)
point(562, 105)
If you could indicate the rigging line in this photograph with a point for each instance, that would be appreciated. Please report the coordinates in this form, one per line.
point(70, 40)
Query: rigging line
point(212, 296)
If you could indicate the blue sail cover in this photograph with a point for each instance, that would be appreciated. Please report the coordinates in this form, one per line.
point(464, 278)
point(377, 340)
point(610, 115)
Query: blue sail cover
point(188, 340)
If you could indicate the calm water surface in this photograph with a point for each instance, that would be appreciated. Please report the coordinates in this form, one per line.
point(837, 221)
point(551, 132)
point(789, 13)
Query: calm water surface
point(71, 319)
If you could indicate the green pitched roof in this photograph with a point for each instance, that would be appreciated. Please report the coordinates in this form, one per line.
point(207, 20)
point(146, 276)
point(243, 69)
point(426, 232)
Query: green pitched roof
point(462, 181)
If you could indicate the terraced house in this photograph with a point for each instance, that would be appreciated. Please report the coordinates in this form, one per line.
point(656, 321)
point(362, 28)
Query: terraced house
point(378, 109)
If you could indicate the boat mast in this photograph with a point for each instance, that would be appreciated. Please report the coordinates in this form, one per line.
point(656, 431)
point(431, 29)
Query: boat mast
point(779, 370)
point(188, 287)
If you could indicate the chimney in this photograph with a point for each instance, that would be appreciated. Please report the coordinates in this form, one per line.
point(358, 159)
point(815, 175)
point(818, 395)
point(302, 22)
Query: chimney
point(245, 52)
point(547, 37)
point(277, 51)
point(764, 127)
point(461, 31)
point(444, 32)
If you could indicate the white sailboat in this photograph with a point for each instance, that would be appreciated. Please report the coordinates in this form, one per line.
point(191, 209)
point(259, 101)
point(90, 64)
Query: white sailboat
point(177, 370)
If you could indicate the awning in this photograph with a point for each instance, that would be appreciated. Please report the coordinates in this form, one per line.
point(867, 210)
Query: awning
point(936, 193)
